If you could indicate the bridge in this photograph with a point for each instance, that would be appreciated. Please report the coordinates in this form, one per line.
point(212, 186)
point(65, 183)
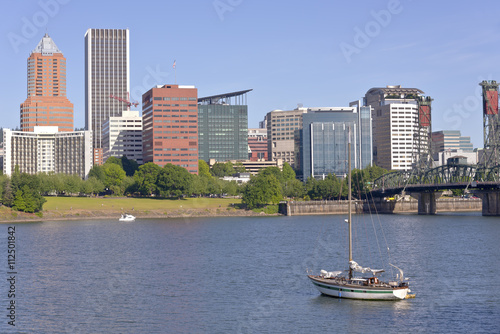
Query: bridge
point(427, 185)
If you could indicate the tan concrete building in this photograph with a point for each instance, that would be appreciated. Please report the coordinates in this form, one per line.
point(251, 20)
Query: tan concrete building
point(281, 126)
point(395, 125)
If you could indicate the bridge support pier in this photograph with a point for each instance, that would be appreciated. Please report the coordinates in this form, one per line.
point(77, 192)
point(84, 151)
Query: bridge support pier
point(491, 201)
point(426, 202)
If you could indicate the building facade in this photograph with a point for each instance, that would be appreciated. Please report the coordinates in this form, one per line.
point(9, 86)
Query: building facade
point(223, 127)
point(46, 103)
point(450, 140)
point(395, 114)
point(47, 150)
point(323, 148)
point(257, 144)
point(122, 136)
point(106, 74)
point(170, 126)
point(281, 126)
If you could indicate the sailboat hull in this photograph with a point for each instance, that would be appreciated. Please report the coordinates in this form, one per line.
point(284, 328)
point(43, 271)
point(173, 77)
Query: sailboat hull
point(333, 288)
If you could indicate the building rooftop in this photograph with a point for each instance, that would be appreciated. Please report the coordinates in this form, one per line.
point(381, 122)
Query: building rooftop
point(393, 90)
point(216, 99)
point(46, 46)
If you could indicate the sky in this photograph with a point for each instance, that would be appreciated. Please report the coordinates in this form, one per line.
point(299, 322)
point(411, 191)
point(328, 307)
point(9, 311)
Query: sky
point(319, 53)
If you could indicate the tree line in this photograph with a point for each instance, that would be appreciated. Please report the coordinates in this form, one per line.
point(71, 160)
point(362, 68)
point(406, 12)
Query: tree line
point(121, 176)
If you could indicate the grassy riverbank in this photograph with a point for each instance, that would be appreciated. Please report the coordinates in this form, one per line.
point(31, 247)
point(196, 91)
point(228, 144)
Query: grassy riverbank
point(67, 208)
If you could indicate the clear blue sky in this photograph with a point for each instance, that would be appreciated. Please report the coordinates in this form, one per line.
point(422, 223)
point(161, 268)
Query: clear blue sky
point(288, 52)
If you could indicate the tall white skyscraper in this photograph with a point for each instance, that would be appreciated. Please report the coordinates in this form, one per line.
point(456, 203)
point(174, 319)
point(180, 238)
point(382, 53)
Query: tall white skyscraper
point(107, 74)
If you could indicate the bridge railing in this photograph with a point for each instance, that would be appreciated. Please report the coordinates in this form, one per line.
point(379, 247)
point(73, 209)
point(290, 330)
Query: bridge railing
point(442, 175)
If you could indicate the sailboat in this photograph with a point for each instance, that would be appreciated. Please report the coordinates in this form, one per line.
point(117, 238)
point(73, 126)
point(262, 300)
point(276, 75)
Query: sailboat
point(338, 284)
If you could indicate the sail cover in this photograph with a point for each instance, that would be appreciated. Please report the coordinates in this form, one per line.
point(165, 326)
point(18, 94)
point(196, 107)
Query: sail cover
point(356, 267)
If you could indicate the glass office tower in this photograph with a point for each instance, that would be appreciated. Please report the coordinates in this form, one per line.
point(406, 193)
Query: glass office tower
point(223, 127)
point(325, 137)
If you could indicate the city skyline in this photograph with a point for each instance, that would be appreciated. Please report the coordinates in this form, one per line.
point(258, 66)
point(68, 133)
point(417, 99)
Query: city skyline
point(320, 55)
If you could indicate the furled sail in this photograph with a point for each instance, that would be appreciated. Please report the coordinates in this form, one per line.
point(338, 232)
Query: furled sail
point(356, 267)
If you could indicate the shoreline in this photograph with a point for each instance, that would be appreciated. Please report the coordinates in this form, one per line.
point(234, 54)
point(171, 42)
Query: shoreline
point(59, 215)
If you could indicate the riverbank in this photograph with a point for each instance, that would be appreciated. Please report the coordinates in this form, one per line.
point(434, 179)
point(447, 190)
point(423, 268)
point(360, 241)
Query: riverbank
point(74, 208)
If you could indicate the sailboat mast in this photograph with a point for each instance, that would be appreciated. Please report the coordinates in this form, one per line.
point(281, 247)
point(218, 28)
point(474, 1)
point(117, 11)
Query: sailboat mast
point(349, 198)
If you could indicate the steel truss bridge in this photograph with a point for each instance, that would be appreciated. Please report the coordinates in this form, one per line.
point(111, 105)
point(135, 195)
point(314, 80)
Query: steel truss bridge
point(452, 176)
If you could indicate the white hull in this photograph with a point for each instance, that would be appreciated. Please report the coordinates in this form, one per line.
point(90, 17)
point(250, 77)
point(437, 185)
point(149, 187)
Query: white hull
point(358, 292)
point(127, 218)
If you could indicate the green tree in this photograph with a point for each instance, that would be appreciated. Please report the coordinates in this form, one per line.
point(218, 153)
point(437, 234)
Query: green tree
point(98, 172)
point(130, 166)
point(114, 177)
point(173, 181)
point(7, 196)
point(146, 177)
point(203, 169)
point(114, 160)
point(359, 182)
point(92, 186)
point(275, 171)
point(288, 172)
point(199, 185)
point(221, 169)
point(19, 203)
point(261, 190)
point(72, 184)
point(293, 189)
point(239, 168)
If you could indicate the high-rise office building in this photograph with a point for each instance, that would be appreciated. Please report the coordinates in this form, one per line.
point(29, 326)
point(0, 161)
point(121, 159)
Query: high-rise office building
point(281, 126)
point(450, 140)
point(122, 136)
point(46, 104)
point(223, 127)
point(170, 126)
point(325, 137)
point(106, 74)
point(395, 117)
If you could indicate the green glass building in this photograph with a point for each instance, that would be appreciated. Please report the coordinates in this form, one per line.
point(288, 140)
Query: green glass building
point(223, 127)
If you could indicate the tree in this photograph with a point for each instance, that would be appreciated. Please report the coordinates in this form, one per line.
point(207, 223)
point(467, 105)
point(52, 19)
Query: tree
point(19, 203)
point(293, 189)
point(146, 177)
point(260, 190)
point(114, 177)
point(129, 166)
point(359, 179)
point(273, 171)
point(114, 160)
point(220, 169)
point(98, 172)
point(239, 168)
point(203, 169)
point(288, 172)
point(72, 184)
point(173, 181)
point(92, 186)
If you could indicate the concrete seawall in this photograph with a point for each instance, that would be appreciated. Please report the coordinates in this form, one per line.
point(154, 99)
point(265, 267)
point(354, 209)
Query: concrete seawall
point(381, 206)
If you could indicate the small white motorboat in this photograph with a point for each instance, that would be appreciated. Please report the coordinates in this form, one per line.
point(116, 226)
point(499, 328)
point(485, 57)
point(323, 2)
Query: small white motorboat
point(126, 218)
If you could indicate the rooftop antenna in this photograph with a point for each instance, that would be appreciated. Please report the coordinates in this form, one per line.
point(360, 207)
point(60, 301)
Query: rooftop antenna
point(175, 72)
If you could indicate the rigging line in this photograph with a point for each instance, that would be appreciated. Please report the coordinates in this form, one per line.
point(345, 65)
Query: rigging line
point(385, 239)
point(375, 231)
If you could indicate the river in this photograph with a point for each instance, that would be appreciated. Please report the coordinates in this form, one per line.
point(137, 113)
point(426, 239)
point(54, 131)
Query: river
point(248, 275)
